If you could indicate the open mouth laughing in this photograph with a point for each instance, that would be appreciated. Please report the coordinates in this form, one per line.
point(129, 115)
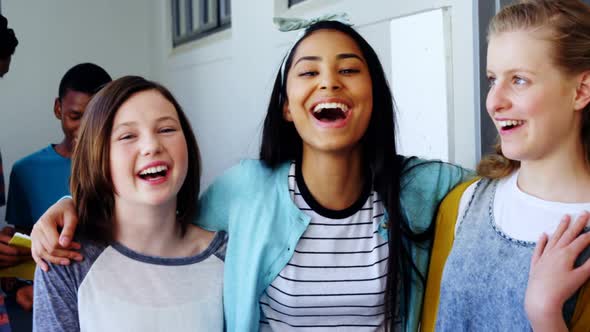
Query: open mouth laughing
point(154, 173)
point(508, 125)
point(331, 114)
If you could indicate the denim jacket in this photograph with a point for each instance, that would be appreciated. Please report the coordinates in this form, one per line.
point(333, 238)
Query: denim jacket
point(252, 203)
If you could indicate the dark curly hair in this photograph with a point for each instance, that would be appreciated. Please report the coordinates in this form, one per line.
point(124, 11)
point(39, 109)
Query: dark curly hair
point(8, 41)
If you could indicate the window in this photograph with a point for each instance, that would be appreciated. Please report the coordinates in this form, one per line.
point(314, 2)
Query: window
point(294, 2)
point(194, 19)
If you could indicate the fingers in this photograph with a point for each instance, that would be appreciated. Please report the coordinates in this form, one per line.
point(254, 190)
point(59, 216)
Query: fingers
point(23, 251)
point(55, 260)
point(563, 226)
point(45, 237)
point(583, 271)
point(575, 248)
point(574, 230)
point(40, 263)
point(38, 248)
point(5, 238)
point(59, 214)
point(41, 255)
point(35, 248)
point(539, 249)
point(8, 231)
point(24, 297)
point(45, 246)
point(74, 246)
point(579, 244)
point(9, 260)
point(70, 221)
point(52, 252)
point(9, 250)
point(65, 254)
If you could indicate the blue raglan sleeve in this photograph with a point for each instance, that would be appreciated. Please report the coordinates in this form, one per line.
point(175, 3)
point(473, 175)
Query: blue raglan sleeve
point(55, 301)
point(18, 211)
point(55, 294)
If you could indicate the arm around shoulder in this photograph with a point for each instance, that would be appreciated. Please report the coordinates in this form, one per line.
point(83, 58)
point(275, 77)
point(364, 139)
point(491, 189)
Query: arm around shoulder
point(437, 175)
point(217, 200)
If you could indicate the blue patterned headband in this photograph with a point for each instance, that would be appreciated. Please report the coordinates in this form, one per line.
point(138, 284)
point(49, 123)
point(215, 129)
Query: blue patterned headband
point(292, 24)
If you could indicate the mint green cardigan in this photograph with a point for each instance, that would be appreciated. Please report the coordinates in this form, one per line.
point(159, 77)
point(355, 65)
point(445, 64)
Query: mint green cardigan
point(252, 203)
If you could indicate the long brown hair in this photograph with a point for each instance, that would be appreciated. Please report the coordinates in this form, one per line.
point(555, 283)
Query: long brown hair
point(91, 184)
point(565, 24)
point(281, 143)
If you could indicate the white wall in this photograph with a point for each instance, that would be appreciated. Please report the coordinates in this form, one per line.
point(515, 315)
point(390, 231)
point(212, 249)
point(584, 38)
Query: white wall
point(224, 80)
point(53, 36)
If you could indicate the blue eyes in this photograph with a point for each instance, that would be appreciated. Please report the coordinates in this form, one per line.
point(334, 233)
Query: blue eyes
point(516, 80)
point(491, 81)
point(519, 80)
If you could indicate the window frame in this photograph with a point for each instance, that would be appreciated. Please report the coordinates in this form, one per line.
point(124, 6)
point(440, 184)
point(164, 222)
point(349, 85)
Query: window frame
point(187, 33)
point(291, 3)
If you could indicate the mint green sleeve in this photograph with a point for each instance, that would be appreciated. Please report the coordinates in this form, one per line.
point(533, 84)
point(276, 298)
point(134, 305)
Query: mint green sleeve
point(216, 203)
point(424, 184)
point(211, 214)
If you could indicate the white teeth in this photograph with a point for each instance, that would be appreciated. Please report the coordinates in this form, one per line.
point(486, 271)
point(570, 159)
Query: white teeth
point(506, 123)
point(153, 170)
point(322, 106)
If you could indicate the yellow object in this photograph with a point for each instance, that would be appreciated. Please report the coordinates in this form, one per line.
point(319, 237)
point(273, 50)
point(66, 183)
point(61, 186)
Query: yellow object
point(441, 247)
point(25, 270)
point(443, 242)
point(20, 240)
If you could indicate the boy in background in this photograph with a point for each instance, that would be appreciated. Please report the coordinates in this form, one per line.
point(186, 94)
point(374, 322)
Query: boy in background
point(40, 179)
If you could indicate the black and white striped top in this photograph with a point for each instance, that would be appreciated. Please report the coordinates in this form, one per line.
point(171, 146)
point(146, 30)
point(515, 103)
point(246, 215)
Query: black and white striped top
point(336, 278)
